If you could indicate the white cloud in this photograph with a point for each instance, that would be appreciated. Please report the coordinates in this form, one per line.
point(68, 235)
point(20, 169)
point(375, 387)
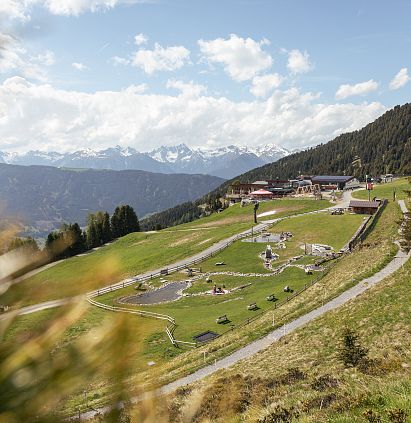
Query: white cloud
point(161, 58)
point(79, 66)
point(262, 85)
point(13, 9)
point(54, 119)
point(47, 58)
point(21, 9)
point(299, 62)
point(400, 79)
point(362, 88)
point(136, 89)
point(14, 58)
point(116, 60)
point(140, 39)
point(243, 58)
point(189, 89)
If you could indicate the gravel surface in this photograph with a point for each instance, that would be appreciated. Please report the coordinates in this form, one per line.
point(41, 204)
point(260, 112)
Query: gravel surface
point(169, 292)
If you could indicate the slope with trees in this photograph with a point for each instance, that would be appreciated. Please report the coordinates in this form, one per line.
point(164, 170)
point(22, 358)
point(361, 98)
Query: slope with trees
point(383, 146)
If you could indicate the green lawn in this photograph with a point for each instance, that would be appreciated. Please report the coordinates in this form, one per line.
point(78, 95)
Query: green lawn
point(139, 252)
point(244, 257)
point(322, 228)
point(386, 190)
point(155, 347)
point(309, 379)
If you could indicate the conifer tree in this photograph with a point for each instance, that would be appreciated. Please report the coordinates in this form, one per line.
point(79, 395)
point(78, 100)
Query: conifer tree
point(351, 352)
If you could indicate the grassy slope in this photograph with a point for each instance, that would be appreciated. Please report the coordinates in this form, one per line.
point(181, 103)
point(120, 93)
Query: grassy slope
point(344, 275)
point(381, 317)
point(348, 270)
point(386, 190)
point(140, 252)
point(243, 257)
point(383, 393)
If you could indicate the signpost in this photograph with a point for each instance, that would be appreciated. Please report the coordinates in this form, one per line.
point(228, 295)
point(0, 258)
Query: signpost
point(368, 186)
point(255, 211)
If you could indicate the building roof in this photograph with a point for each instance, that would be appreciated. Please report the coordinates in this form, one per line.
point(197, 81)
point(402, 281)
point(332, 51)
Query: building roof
point(332, 178)
point(261, 192)
point(260, 183)
point(366, 204)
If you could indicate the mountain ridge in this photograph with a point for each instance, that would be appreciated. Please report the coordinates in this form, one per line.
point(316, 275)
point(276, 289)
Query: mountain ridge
point(224, 162)
point(382, 146)
point(43, 197)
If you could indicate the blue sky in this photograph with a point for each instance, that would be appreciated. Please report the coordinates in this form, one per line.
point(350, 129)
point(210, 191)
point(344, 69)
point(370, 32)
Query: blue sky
point(206, 73)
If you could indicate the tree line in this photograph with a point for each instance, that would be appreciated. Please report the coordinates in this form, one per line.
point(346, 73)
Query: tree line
point(71, 240)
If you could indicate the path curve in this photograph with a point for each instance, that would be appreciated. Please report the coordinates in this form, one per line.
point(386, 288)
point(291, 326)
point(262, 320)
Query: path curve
point(261, 344)
point(344, 201)
point(182, 263)
point(254, 347)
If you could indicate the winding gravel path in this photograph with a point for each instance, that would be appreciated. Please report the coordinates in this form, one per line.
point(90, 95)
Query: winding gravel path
point(261, 344)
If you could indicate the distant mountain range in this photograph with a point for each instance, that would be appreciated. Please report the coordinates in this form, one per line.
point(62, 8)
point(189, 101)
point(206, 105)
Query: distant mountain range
point(42, 197)
point(225, 162)
point(383, 146)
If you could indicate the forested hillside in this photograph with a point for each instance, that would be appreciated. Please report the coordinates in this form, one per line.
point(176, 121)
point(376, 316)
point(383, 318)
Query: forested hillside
point(383, 146)
point(43, 197)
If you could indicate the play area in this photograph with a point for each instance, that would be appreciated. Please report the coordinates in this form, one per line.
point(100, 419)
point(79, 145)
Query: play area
point(250, 276)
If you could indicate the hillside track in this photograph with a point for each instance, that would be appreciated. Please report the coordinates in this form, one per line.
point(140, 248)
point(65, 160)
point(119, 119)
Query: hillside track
point(215, 248)
point(261, 344)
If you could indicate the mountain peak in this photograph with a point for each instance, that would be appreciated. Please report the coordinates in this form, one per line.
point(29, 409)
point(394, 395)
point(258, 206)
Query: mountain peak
point(227, 161)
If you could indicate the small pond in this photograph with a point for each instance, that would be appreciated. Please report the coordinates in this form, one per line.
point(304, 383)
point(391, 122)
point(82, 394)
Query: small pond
point(169, 292)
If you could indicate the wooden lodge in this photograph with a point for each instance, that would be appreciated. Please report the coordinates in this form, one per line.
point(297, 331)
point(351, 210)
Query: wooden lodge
point(364, 207)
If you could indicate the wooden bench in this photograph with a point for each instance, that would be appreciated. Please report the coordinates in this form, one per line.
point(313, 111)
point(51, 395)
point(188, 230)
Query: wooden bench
point(222, 319)
point(271, 298)
point(252, 306)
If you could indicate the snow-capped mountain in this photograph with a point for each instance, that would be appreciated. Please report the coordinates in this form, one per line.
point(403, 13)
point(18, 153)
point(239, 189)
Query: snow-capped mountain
point(225, 162)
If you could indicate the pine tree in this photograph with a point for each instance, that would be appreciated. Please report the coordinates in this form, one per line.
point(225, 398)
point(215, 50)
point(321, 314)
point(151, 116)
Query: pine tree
point(351, 352)
point(106, 228)
point(78, 244)
point(27, 245)
point(124, 221)
point(53, 245)
point(91, 232)
point(115, 223)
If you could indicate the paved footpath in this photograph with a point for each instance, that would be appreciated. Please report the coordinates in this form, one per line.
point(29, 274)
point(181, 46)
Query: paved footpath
point(403, 206)
point(261, 344)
